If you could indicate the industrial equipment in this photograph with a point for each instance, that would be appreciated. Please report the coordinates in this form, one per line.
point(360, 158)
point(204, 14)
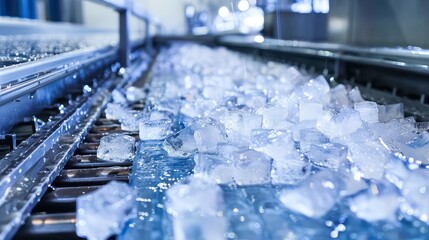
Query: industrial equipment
point(54, 89)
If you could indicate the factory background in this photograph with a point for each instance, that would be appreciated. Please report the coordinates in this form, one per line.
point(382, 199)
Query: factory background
point(364, 22)
point(214, 119)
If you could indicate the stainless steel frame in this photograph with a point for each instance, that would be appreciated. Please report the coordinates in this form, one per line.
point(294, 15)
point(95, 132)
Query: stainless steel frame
point(385, 75)
point(27, 171)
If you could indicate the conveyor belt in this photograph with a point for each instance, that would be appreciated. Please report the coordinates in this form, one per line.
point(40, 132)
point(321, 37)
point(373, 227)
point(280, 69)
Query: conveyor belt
point(54, 216)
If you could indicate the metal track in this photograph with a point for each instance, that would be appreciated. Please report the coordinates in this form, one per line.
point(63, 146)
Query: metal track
point(54, 216)
point(26, 172)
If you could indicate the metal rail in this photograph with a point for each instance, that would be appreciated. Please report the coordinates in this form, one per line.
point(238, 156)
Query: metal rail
point(46, 71)
point(26, 172)
point(403, 59)
point(15, 26)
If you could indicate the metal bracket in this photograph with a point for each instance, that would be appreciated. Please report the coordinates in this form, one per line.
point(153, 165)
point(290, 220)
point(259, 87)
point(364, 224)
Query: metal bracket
point(148, 40)
point(36, 124)
point(124, 39)
point(9, 140)
point(125, 9)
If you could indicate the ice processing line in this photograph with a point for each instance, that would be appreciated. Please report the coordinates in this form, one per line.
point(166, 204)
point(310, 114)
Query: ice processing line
point(51, 105)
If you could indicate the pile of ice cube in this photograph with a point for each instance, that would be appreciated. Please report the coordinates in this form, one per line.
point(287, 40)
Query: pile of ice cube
point(325, 154)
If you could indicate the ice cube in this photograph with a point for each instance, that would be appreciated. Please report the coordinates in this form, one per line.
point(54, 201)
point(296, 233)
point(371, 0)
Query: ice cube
point(320, 84)
point(253, 99)
point(368, 111)
point(170, 105)
point(226, 150)
point(396, 172)
point(316, 89)
point(198, 109)
point(387, 113)
point(296, 129)
point(190, 110)
point(104, 212)
point(355, 96)
point(339, 96)
point(339, 124)
point(290, 171)
point(417, 148)
point(394, 133)
point(214, 93)
point(135, 94)
point(251, 167)
point(215, 167)
point(416, 195)
point(368, 155)
point(184, 143)
point(118, 97)
point(159, 115)
point(352, 184)
point(192, 81)
point(116, 147)
point(130, 120)
point(195, 206)
point(207, 137)
point(310, 111)
point(205, 106)
point(243, 220)
point(379, 203)
point(172, 90)
point(115, 111)
point(244, 167)
point(154, 129)
point(314, 197)
point(241, 122)
point(290, 103)
point(288, 75)
point(276, 144)
point(219, 81)
point(330, 155)
point(309, 136)
point(272, 116)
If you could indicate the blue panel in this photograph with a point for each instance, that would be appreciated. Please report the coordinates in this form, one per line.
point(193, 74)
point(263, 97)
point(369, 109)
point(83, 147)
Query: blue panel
point(2, 7)
point(18, 8)
point(24, 9)
point(33, 9)
point(11, 8)
point(54, 10)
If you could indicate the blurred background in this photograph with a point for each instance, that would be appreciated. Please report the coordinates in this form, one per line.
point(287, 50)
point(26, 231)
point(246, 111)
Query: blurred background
point(387, 23)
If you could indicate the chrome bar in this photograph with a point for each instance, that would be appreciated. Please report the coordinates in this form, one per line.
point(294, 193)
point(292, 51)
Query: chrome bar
point(55, 68)
point(403, 59)
point(16, 73)
point(15, 26)
point(396, 64)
